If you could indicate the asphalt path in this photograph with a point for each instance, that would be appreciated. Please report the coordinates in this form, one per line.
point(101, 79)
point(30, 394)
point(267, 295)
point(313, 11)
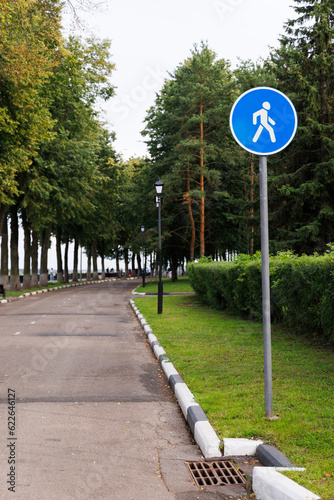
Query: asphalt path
point(94, 416)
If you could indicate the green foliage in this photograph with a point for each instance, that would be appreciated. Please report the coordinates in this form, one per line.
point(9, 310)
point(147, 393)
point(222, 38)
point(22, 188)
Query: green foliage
point(300, 178)
point(302, 292)
point(29, 40)
point(301, 190)
point(69, 185)
point(190, 144)
point(205, 260)
point(134, 186)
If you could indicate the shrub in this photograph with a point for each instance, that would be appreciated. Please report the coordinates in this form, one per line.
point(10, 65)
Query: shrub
point(302, 291)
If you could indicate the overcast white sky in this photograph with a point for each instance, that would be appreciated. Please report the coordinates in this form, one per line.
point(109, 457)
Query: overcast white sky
point(152, 37)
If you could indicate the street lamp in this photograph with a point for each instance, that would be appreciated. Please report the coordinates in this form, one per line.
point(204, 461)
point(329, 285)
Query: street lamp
point(158, 188)
point(142, 228)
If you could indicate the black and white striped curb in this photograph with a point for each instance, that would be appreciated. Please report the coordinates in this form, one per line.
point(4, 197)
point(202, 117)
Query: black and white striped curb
point(203, 433)
point(267, 482)
point(45, 290)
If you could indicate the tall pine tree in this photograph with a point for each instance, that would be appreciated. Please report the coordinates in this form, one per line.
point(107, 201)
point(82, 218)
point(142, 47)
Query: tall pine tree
point(303, 211)
point(189, 140)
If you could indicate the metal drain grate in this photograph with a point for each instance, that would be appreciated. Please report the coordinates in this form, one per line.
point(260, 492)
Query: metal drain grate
point(218, 473)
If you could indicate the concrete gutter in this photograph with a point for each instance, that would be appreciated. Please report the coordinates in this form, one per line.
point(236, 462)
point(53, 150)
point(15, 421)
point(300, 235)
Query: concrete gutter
point(267, 482)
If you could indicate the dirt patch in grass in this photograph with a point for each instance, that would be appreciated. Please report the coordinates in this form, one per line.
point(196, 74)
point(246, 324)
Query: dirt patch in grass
point(188, 304)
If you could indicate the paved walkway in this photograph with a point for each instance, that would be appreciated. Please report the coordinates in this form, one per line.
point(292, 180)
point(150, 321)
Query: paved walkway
point(95, 418)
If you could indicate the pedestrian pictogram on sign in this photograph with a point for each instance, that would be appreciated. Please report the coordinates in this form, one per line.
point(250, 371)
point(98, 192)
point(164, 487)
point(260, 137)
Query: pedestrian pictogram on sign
point(264, 119)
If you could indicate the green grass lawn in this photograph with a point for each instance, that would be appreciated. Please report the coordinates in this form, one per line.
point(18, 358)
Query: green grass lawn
point(181, 285)
point(221, 359)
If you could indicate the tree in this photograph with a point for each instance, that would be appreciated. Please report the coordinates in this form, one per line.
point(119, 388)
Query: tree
point(133, 186)
point(98, 226)
point(303, 181)
point(189, 140)
point(58, 186)
point(29, 38)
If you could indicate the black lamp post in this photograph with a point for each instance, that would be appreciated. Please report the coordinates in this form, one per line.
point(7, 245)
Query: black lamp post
point(142, 228)
point(158, 188)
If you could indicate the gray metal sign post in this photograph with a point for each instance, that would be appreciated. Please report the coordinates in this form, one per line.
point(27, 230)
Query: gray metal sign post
point(264, 121)
point(266, 287)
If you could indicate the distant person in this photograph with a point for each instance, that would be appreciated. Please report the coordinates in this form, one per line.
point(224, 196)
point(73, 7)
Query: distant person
point(52, 274)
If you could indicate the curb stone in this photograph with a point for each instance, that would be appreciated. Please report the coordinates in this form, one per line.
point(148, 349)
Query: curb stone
point(267, 482)
point(234, 447)
point(272, 457)
point(143, 294)
point(203, 433)
point(28, 294)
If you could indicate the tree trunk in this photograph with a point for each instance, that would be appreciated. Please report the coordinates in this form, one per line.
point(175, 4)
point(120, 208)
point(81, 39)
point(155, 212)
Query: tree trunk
point(117, 263)
point(4, 254)
point(27, 251)
point(191, 217)
point(155, 264)
point(95, 270)
point(15, 284)
point(145, 264)
point(126, 262)
point(75, 260)
point(60, 274)
point(202, 209)
point(174, 266)
point(34, 259)
point(44, 257)
point(187, 201)
point(139, 265)
point(151, 265)
point(324, 119)
point(89, 263)
point(183, 271)
point(103, 268)
point(101, 254)
point(3, 219)
point(133, 264)
point(67, 242)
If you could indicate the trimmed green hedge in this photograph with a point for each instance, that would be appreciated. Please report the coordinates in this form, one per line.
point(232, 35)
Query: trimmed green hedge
point(302, 289)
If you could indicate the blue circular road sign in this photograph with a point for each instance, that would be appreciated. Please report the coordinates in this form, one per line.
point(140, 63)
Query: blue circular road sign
point(263, 121)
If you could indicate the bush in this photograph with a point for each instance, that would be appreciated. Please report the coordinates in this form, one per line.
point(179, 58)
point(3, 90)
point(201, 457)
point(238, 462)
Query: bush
point(302, 291)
